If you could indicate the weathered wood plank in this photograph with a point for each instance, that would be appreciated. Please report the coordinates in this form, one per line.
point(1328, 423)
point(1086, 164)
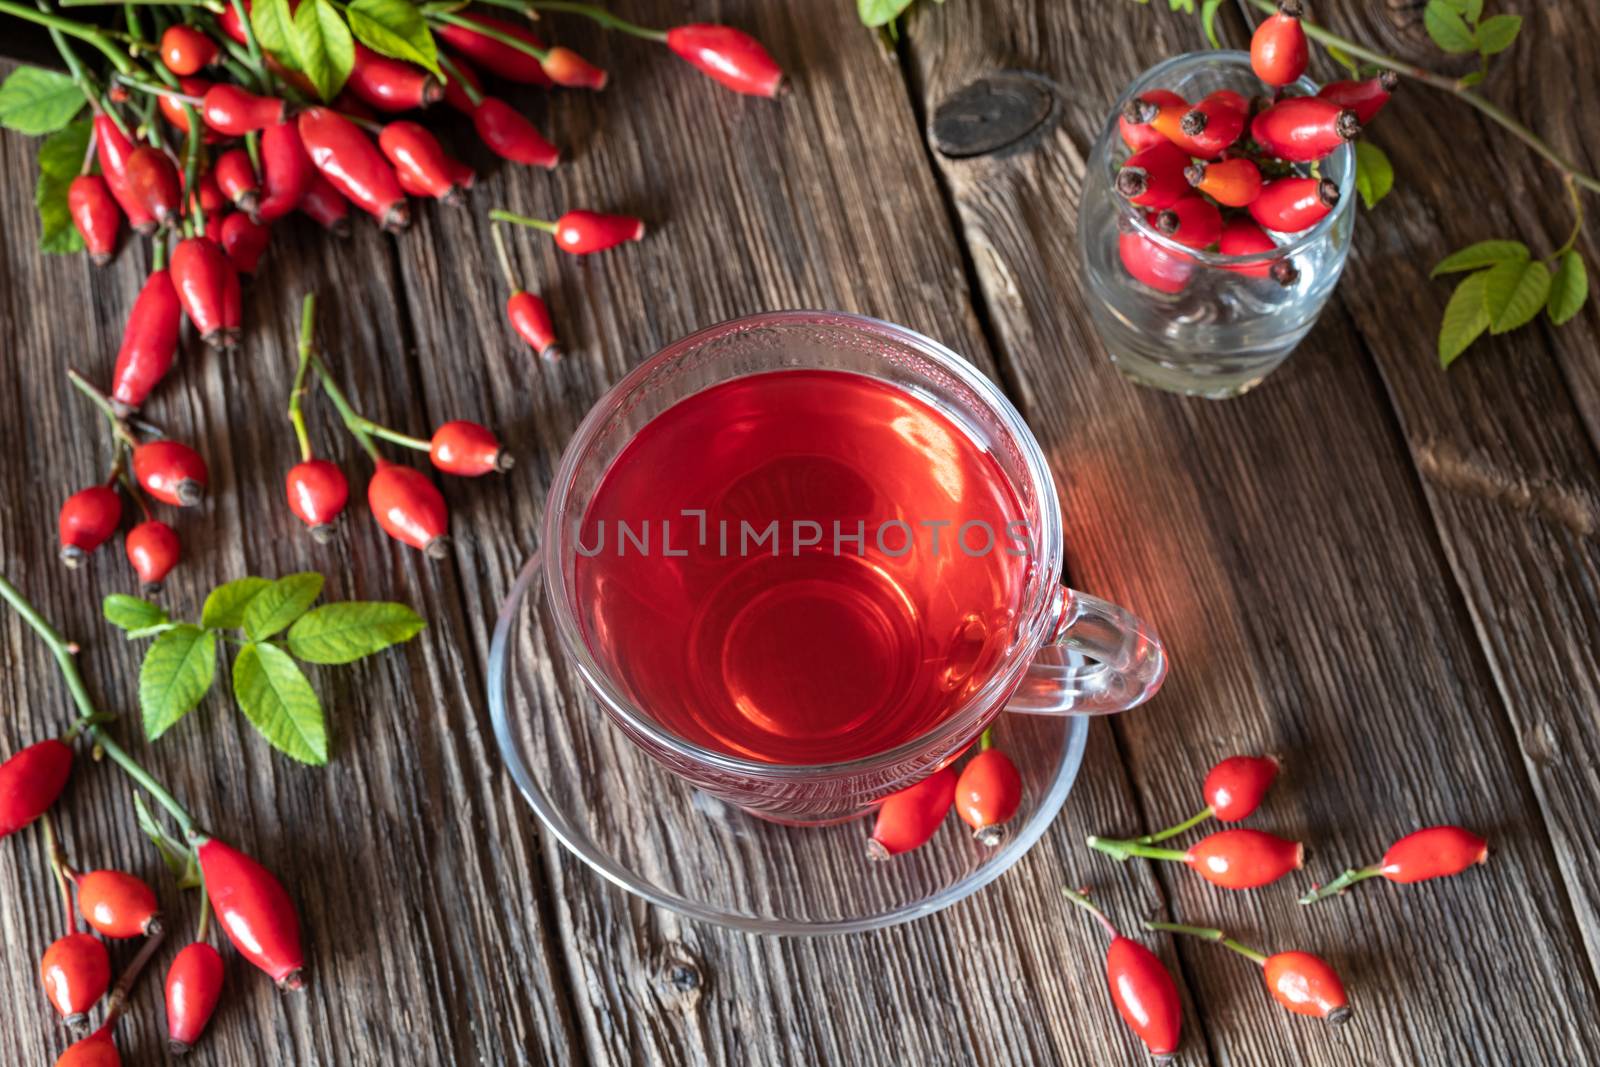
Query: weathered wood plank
point(1291, 558)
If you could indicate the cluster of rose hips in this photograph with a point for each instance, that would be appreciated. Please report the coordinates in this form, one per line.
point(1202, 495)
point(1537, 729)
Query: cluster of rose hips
point(1142, 990)
point(986, 794)
point(1227, 172)
point(250, 904)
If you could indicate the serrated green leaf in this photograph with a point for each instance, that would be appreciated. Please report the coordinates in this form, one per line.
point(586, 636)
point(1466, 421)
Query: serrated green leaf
point(280, 603)
point(35, 102)
point(1514, 292)
point(341, 633)
point(177, 671)
point(276, 698)
point(1570, 289)
point(1374, 173)
point(1482, 254)
point(226, 604)
point(1465, 318)
point(875, 13)
point(179, 858)
point(274, 28)
point(1448, 29)
point(323, 49)
point(60, 159)
point(396, 29)
point(1497, 33)
point(131, 612)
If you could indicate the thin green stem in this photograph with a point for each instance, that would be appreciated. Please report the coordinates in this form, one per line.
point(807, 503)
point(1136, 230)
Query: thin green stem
point(1206, 933)
point(158, 254)
point(451, 19)
point(80, 76)
point(119, 429)
point(1123, 850)
point(589, 11)
point(297, 392)
point(130, 14)
point(1577, 218)
point(1448, 85)
point(58, 871)
point(353, 421)
point(986, 739)
point(203, 927)
point(504, 255)
point(252, 47)
point(88, 34)
point(474, 97)
point(134, 82)
point(395, 436)
point(1341, 883)
point(1173, 831)
point(63, 651)
point(502, 215)
point(193, 149)
point(1080, 897)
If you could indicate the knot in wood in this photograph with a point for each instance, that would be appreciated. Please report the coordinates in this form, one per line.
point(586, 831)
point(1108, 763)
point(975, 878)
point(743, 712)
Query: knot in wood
point(995, 112)
point(679, 979)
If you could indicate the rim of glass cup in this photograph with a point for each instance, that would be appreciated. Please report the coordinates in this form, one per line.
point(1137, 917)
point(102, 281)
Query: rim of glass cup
point(602, 863)
point(1039, 616)
point(1134, 215)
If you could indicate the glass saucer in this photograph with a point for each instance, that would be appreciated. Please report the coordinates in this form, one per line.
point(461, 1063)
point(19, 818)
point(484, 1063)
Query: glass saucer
point(651, 833)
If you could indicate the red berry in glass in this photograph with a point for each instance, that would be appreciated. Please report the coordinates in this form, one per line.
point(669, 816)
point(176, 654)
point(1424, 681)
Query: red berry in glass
point(317, 492)
point(88, 518)
point(117, 904)
point(1365, 98)
point(1304, 129)
point(76, 972)
point(391, 84)
point(96, 215)
point(1290, 205)
point(1230, 182)
point(1193, 221)
point(729, 56)
point(231, 110)
point(193, 987)
point(200, 273)
point(531, 319)
point(988, 794)
point(908, 818)
point(243, 242)
point(185, 49)
point(566, 67)
point(1242, 237)
point(153, 550)
point(254, 910)
point(410, 508)
point(1134, 122)
point(30, 782)
point(1154, 177)
point(354, 166)
point(1279, 53)
point(96, 1050)
point(171, 472)
point(1213, 125)
point(467, 449)
point(1155, 265)
point(1142, 989)
point(510, 135)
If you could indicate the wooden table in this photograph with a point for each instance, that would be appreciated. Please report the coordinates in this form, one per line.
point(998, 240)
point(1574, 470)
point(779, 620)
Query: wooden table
point(1385, 572)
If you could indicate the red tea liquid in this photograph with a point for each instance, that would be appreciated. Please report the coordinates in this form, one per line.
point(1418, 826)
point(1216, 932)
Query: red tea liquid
point(775, 649)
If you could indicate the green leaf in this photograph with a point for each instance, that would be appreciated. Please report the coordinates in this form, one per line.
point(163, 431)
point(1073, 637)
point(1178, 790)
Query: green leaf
point(875, 13)
point(1208, 18)
point(1185, 6)
point(1448, 29)
point(131, 612)
point(1472, 78)
point(276, 698)
point(274, 29)
point(1569, 291)
point(282, 602)
point(60, 159)
point(322, 46)
point(36, 102)
point(225, 607)
point(1513, 293)
point(1482, 254)
point(340, 633)
point(396, 29)
point(1374, 173)
point(1465, 318)
point(176, 673)
point(1470, 10)
point(1496, 34)
point(179, 858)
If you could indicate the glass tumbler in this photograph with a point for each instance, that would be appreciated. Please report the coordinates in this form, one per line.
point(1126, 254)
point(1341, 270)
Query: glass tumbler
point(1211, 325)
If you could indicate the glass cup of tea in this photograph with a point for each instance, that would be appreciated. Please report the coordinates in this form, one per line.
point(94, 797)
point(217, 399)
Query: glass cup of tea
point(804, 558)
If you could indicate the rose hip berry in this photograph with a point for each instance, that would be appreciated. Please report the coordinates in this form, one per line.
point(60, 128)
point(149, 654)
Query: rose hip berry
point(1230, 182)
point(1154, 177)
point(350, 161)
point(231, 110)
point(117, 904)
point(907, 819)
point(1303, 129)
point(1233, 788)
point(30, 782)
point(1213, 125)
point(1365, 98)
point(1232, 859)
point(236, 177)
point(729, 56)
point(1158, 267)
point(96, 215)
point(244, 241)
point(419, 159)
point(185, 50)
point(173, 473)
point(568, 68)
point(323, 203)
point(391, 84)
point(1279, 53)
point(467, 449)
point(153, 551)
point(511, 136)
point(410, 508)
point(254, 910)
point(988, 793)
point(286, 171)
point(96, 1050)
point(194, 985)
point(200, 273)
point(317, 492)
point(1192, 221)
point(1242, 237)
point(531, 319)
point(582, 232)
point(152, 180)
point(1301, 982)
point(1290, 205)
point(88, 518)
point(495, 56)
point(1437, 852)
point(113, 148)
point(1142, 989)
point(76, 972)
point(1134, 122)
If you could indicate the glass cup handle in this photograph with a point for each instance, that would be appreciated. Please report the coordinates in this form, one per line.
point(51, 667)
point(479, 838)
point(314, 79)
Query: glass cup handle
point(1103, 659)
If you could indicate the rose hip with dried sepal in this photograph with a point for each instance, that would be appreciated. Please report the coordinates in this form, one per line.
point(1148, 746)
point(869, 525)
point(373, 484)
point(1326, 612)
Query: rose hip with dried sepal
point(30, 782)
point(193, 987)
point(1142, 989)
point(528, 314)
point(1232, 859)
point(1303, 129)
point(1230, 182)
point(988, 793)
point(153, 550)
point(253, 909)
point(118, 905)
point(112, 149)
point(236, 177)
point(1154, 177)
point(510, 135)
point(286, 171)
point(1436, 852)
point(1302, 983)
point(96, 216)
point(1213, 125)
point(318, 491)
point(1192, 221)
point(75, 972)
point(1242, 237)
point(1134, 122)
point(1365, 98)
point(200, 272)
point(419, 160)
point(908, 818)
point(171, 472)
point(391, 84)
point(353, 164)
point(1279, 53)
point(1290, 205)
point(153, 182)
point(244, 241)
point(467, 450)
point(581, 232)
point(495, 56)
point(1157, 266)
point(729, 56)
point(1234, 787)
point(87, 520)
point(410, 508)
